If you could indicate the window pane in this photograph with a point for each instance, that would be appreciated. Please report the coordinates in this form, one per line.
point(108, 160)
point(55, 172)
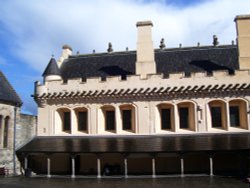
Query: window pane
point(110, 120)
point(66, 121)
point(6, 132)
point(234, 116)
point(82, 121)
point(184, 120)
point(126, 119)
point(166, 118)
point(216, 116)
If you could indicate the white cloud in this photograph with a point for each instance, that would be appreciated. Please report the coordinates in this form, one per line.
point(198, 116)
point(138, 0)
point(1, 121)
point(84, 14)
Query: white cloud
point(39, 28)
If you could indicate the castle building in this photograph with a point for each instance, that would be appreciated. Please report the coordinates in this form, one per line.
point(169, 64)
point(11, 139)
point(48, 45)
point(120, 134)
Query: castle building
point(151, 111)
point(16, 128)
point(10, 104)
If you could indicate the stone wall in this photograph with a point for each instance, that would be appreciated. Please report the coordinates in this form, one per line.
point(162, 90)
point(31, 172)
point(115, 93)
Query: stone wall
point(6, 153)
point(25, 131)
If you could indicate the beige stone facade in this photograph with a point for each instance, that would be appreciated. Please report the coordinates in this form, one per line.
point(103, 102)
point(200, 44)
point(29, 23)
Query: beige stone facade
point(150, 111)
point(148, 97)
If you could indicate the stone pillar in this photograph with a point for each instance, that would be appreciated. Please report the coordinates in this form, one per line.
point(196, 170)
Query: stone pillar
point(98, 166)
point(74, 122)
point(227, 116)
point(48, 166)
point(176, 118)
point(182, 165)
point(73, 166)
point(153, 166)
point(118, 121)
point(211, 165)
point(125, 166)
point(25, 162)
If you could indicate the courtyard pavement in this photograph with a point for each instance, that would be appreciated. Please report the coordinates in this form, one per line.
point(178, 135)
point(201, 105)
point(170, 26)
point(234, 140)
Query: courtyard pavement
point(171, 182)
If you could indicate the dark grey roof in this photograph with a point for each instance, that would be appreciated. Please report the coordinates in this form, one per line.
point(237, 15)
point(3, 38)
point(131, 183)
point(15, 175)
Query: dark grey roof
point(52, 68)
point(7, 93)
point(188, 60)
point(139, 144)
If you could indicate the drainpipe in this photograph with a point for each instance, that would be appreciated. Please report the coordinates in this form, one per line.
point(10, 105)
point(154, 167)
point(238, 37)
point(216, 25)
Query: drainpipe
point(14, 142)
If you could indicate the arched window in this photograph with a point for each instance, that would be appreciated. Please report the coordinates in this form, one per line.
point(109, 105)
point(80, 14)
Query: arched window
point(109, 118)
point(186, 115)
point(238, 113)
point(128, 117)
point(166, 112)
point(82, 119)
point(6, 132)
point(65, 116)
point(218, 114)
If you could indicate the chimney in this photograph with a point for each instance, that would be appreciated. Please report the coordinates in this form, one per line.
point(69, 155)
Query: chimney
point(145, 62)
point(66, 52)
point(243, 40)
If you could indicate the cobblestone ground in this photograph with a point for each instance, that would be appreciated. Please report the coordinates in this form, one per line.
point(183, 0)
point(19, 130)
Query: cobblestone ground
point(167, 182)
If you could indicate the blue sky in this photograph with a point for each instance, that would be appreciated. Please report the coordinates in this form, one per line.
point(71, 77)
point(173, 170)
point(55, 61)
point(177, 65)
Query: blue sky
point(32, 30)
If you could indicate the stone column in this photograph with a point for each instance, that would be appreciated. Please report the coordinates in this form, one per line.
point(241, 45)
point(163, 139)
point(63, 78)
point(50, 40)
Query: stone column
point(125, 166)
point(48, 166)
point(98, 166)
point(73, 123)
point(211, 165)
point(153, 166)
point(118, 121)
point(73, 166)
point(227, 116)
point(182, 165)
point(25, 162)
point(176, 118)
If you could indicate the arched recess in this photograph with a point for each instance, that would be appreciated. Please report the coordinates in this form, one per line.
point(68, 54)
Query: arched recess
point(6, 132)
point(217, 114)
point(238, 113)
point(165, 117)
point(127, 112)
point(82, 119)
point(108, 122)
point(186, 115)
point(63, 120)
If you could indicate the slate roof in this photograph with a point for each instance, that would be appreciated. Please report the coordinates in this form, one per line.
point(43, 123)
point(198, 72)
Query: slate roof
point(188, 60)
point(52, 68)
point(139, 144)
point(7, 93)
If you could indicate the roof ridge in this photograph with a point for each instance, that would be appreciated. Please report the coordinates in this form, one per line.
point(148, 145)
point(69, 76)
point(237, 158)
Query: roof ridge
point(102, 54)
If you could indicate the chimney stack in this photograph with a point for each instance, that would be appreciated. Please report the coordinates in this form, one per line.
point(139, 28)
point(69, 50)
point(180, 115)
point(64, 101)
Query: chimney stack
point(243, 40)
point(145, 62)
point(66, 52)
